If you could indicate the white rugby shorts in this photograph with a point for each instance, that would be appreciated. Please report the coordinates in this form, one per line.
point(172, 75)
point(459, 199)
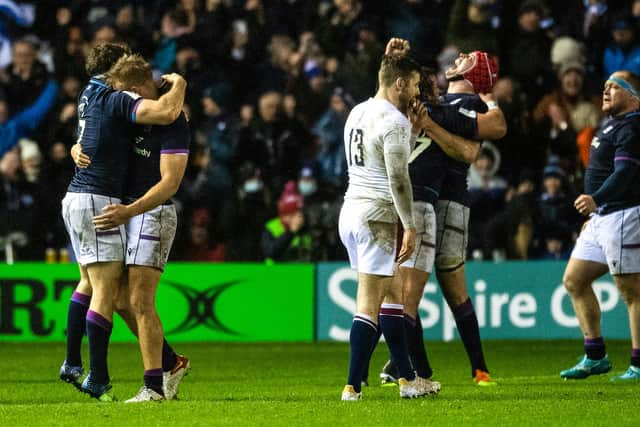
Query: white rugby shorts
point(91, 245)
point(150, 236)
point(612, 239)
point(371, 240)
point(424, 254)
point(452, 236)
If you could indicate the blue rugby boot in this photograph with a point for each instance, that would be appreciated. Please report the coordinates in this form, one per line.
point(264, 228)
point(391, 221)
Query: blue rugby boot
point(631, 374)
point(587, 367)
point(102, 392)
point(71, 374)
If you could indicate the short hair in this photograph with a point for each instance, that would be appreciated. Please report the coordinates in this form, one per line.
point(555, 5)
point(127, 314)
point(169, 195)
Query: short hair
point(130, 70)
point(393, 67)
point(103, 56)
point(632, 78)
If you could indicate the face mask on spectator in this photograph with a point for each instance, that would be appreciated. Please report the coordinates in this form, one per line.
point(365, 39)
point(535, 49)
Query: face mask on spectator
point(252, 185)
point(307, 187)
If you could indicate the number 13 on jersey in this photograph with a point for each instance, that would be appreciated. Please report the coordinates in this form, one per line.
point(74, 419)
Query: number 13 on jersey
point(356, 148)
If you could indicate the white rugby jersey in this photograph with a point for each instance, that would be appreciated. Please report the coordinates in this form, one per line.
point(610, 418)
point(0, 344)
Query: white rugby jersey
point(377, 140)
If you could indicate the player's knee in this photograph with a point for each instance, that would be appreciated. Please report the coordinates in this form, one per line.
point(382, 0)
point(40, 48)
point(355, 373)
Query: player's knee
point(446, 263)
point(573, 284)
point(84, 287)
point(629, 294)
point(141, 305)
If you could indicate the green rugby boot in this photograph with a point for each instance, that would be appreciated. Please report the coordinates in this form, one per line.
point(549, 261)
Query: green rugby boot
point(631, 374)
point(587, 367)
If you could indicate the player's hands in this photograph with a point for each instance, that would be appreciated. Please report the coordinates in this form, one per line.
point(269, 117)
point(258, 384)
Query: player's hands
point(297, 221)
point(79, 158)
point(397, 47)
point(408, 244)
point(173, 78)
point(585, 204)
point(418, 116)
point(487, 97)
point(111, 217)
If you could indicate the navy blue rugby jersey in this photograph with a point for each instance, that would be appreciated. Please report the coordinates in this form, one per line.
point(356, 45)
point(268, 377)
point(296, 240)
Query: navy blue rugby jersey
point(455, 182)
point(429, 169)
point(105, 132)
point(614, 148)
point(144, 157)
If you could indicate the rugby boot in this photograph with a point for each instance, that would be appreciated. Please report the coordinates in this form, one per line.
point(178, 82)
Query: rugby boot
point(587, 367)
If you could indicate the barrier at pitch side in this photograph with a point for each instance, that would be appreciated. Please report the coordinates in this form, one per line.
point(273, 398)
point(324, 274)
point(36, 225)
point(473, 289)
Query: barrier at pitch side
point(513, 300)
point(197, 302)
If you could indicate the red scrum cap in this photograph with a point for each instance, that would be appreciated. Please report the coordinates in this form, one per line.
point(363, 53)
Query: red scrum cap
point(484, 72)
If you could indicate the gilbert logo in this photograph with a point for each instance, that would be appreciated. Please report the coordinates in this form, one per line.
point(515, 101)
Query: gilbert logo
point(202, 307)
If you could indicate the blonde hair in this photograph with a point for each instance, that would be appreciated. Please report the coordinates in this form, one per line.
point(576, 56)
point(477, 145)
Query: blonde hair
point(130, 70)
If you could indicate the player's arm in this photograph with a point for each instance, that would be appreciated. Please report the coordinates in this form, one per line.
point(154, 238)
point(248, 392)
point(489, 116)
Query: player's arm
point(172, 167)
point(396, 160)
point(492, 124)
point(167, 108)
point(455, 146)
point(626, 167)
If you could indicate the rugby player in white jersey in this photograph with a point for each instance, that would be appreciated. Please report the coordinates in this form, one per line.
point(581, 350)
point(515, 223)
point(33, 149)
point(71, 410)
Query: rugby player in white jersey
point(378, 139)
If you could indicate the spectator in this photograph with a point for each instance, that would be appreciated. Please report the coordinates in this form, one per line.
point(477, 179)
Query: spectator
point(486, 197)
point(199, 248)
point(131, 32)
point(562, 115)
point(329, 130)
point(271, 143)
point(26, 76)
point(470, 26)
point(624, 52)
point(558, 220)
point(321, 212)
point(54, 179)
point(20, 209)
point(250, 215)
point(175, 24)
point(286, 238)
point(338, 32)
point(19, 125)
point(529, 53)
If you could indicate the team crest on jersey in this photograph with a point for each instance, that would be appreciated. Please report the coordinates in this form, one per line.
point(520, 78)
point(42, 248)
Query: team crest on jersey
point(595, 142)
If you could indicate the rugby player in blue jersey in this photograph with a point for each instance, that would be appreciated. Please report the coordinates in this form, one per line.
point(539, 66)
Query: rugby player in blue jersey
point(471, 74)
point(429, 170)
point(106, 125)
point(610, 239)
point(158, 160)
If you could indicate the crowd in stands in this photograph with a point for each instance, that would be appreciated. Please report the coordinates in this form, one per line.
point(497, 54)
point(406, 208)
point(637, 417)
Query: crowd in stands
point(270, 84)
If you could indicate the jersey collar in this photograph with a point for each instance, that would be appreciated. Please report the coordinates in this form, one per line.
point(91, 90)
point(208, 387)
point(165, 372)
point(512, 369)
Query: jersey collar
point(99, 80)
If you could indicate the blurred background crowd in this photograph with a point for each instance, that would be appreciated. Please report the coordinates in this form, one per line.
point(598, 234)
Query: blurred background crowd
point(270, 84)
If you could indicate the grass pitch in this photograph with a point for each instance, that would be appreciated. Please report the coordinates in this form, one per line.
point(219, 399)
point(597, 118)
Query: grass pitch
point(300, 384)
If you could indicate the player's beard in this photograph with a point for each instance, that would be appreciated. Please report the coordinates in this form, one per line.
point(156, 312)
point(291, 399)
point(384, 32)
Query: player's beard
point(403, 101)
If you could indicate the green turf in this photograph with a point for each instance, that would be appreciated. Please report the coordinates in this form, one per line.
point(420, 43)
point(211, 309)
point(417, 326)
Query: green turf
point(300, 384)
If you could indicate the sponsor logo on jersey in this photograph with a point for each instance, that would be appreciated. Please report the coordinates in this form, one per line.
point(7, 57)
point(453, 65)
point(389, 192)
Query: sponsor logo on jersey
point(143, 152)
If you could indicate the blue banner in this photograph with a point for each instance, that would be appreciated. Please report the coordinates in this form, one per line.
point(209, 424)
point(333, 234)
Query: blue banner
point(513, 300)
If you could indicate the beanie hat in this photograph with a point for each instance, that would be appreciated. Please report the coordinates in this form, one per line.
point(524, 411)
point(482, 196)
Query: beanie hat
point(290, 201)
